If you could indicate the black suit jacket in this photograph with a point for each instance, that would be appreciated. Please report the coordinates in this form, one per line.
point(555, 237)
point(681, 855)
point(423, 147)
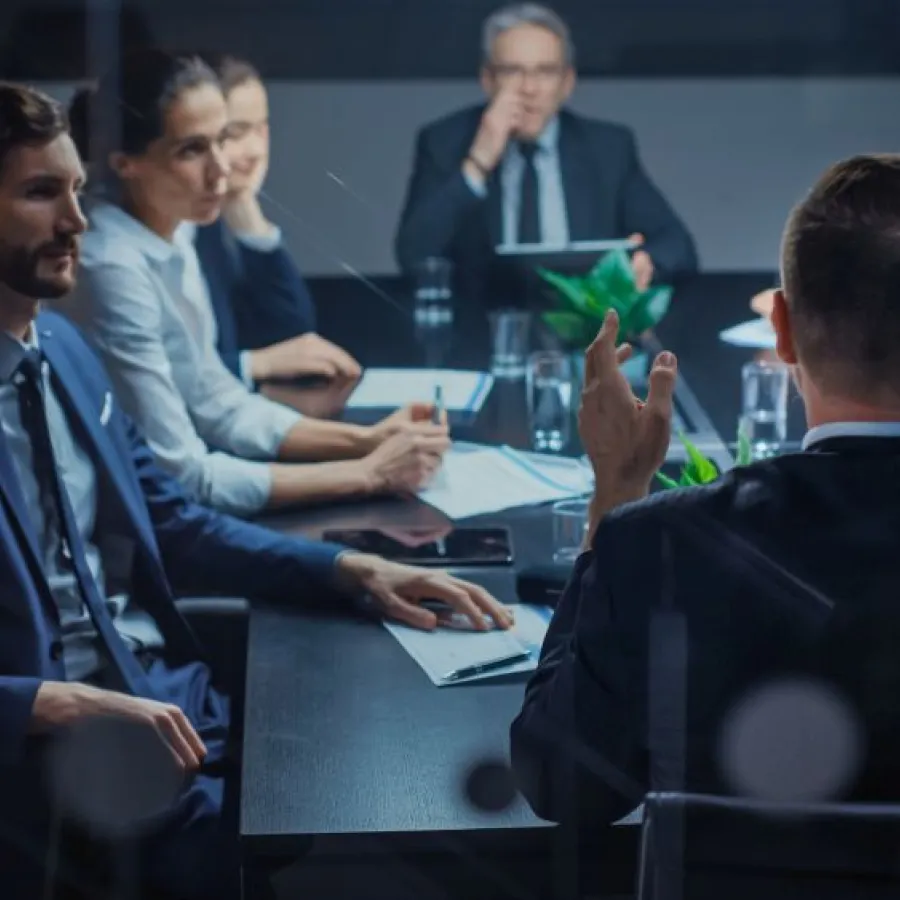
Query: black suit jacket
point(608, 195)
point(784, 567)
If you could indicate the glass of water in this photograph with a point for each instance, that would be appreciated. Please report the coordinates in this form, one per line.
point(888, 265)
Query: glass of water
point(433, 291)
point(570, 524)
point(510, 334)
point(549, 385)
point(764, 407)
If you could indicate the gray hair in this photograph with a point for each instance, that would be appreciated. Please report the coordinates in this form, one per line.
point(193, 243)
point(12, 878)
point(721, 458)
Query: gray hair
point(517, 14)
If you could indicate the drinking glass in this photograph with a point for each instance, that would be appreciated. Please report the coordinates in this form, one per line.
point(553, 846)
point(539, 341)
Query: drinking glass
point(433, 291)
point(510, 333)
point(549, 392)
point(570, 524)
point(764, 407)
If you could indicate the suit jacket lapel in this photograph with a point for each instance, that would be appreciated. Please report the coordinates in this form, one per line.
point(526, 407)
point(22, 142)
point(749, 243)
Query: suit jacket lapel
point(85, 418)
point(578, 180)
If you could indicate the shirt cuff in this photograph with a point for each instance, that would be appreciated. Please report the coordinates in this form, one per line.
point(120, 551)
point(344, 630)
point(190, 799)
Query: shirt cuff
point(245, 366)
point(478, 188)
point(264, 243)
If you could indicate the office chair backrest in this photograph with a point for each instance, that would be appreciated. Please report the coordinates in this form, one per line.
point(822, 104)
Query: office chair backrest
point(851, 652)
point(741, 849)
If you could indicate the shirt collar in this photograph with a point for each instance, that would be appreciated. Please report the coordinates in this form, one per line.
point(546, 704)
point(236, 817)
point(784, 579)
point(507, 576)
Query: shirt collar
point(112, 219)
point(547, 140)
point(12, 350)
point(850, 429)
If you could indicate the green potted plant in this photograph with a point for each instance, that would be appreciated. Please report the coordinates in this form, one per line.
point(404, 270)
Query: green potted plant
point(700, 470)
point(584, 300)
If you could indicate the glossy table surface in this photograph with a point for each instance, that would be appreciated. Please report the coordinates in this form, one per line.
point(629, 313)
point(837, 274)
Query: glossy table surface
point(345, 735)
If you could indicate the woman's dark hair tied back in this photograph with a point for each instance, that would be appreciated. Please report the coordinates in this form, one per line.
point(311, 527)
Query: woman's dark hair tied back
point(126, 110)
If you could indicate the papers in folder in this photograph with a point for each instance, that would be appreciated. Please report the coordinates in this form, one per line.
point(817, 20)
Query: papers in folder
point(757, 334)
point(476, 480)
point(446, 650)
point(391, 388)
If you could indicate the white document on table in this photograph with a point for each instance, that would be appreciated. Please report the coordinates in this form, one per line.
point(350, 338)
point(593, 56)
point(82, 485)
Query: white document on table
point(757, 334)
point(443, 651)
point(391, 388)
point(476, 480)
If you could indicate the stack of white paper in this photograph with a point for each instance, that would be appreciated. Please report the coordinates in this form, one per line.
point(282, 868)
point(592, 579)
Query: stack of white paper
point(392, 388)
point(757, 334)
point(476, 480)
point(445, 650)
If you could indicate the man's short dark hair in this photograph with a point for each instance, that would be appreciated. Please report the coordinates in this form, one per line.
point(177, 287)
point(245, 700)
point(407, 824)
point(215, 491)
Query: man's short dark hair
point(841, 269)
point(28, 117)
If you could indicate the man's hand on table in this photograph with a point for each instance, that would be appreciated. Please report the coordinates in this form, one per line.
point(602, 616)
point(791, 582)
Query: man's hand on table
point(397, 591)
point(626, 439)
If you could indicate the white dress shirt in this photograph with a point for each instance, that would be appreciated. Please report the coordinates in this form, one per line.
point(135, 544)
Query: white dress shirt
point(551, 196)
point(850, 429)
point(144, 302)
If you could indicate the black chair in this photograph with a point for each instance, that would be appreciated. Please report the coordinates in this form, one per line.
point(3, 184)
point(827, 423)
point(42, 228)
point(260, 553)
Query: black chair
point(697, 847)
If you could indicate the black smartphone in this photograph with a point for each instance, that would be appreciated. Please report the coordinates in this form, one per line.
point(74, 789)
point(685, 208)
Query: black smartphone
point(425, 547)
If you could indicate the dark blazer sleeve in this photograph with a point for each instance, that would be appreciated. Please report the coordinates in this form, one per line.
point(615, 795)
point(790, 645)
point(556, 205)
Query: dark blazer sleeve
point(206, 552)
point(232, 360)
point(438, 199)
point(578, 745)
point(645, 210)
point(271, 299)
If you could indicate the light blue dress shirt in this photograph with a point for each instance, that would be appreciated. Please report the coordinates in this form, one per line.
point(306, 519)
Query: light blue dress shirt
point(554, 218)
point(79, 637)
point(146, 305)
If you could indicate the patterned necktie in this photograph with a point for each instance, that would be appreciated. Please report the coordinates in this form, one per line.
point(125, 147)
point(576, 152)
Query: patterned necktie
point(55, 502)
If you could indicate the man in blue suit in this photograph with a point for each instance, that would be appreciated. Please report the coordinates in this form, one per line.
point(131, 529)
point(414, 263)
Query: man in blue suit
point(94, 539)
point(266, 317)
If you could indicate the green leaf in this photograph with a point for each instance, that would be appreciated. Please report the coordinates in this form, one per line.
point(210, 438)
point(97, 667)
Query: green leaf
point(571, 289)
point(613, 275)
point(571, 328)
point(744, 450)
point(666, 481)
point(700, 468)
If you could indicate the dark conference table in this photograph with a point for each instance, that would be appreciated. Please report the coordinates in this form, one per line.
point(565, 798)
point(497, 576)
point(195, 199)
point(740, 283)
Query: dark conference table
point(345, 736)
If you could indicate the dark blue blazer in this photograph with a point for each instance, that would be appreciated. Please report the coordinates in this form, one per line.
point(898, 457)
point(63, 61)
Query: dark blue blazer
point(608, 195)
point(259, 297)
point(690, 600)
point(179, 544)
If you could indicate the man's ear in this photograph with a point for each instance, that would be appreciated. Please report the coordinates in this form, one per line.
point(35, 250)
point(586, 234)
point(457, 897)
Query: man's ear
point(784, 335)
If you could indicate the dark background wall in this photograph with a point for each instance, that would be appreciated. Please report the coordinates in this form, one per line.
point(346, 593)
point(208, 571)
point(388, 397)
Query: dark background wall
point(403, 39)
point(737, 106)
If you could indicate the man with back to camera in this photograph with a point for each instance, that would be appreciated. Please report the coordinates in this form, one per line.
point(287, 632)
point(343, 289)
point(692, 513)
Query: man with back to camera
point(826, 520)
point(525, 170)
point(92, 535)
